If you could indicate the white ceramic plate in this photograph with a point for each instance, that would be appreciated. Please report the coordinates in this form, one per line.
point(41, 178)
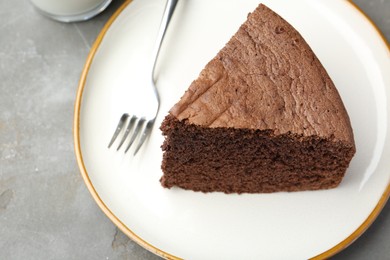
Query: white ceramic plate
point(177, 223)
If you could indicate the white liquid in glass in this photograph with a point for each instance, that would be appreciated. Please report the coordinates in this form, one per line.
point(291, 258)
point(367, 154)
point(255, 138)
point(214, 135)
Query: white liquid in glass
point(66, 7)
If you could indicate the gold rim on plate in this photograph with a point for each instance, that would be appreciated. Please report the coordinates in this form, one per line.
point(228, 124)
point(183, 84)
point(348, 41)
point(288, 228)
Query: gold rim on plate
point(76, 135)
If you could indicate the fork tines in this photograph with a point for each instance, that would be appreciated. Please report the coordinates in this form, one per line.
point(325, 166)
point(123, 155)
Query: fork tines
point(134, 125)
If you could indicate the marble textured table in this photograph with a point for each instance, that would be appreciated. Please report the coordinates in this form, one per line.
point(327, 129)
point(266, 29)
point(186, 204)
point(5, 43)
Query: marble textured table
point(46, 211)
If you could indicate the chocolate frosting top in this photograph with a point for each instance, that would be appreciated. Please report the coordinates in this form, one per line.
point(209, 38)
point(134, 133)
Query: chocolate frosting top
point(268, 78)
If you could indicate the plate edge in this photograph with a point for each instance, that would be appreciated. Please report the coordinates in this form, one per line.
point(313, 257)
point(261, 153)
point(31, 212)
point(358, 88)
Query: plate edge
point(77, 147)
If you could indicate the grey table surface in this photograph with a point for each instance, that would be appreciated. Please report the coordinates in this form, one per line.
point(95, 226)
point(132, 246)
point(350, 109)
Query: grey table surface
point(46, 211)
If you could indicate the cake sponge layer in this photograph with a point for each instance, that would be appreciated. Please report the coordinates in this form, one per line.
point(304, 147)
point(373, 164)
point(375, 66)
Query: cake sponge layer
point(249, 161)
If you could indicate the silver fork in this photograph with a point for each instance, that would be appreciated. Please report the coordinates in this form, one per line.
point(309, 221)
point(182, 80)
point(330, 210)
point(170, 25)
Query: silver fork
point(141, 125)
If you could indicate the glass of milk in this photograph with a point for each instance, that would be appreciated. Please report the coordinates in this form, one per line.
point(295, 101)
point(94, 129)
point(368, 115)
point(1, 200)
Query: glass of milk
point(70, 10)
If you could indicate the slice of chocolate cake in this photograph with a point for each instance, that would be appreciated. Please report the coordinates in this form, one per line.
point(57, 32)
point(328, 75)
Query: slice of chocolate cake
point(263, 116)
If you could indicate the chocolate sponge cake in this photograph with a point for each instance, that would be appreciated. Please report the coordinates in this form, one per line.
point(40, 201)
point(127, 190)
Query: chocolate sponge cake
point(263, 116)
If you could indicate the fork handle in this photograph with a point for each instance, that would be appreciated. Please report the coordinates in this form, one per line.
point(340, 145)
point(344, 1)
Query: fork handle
point(168, 13)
